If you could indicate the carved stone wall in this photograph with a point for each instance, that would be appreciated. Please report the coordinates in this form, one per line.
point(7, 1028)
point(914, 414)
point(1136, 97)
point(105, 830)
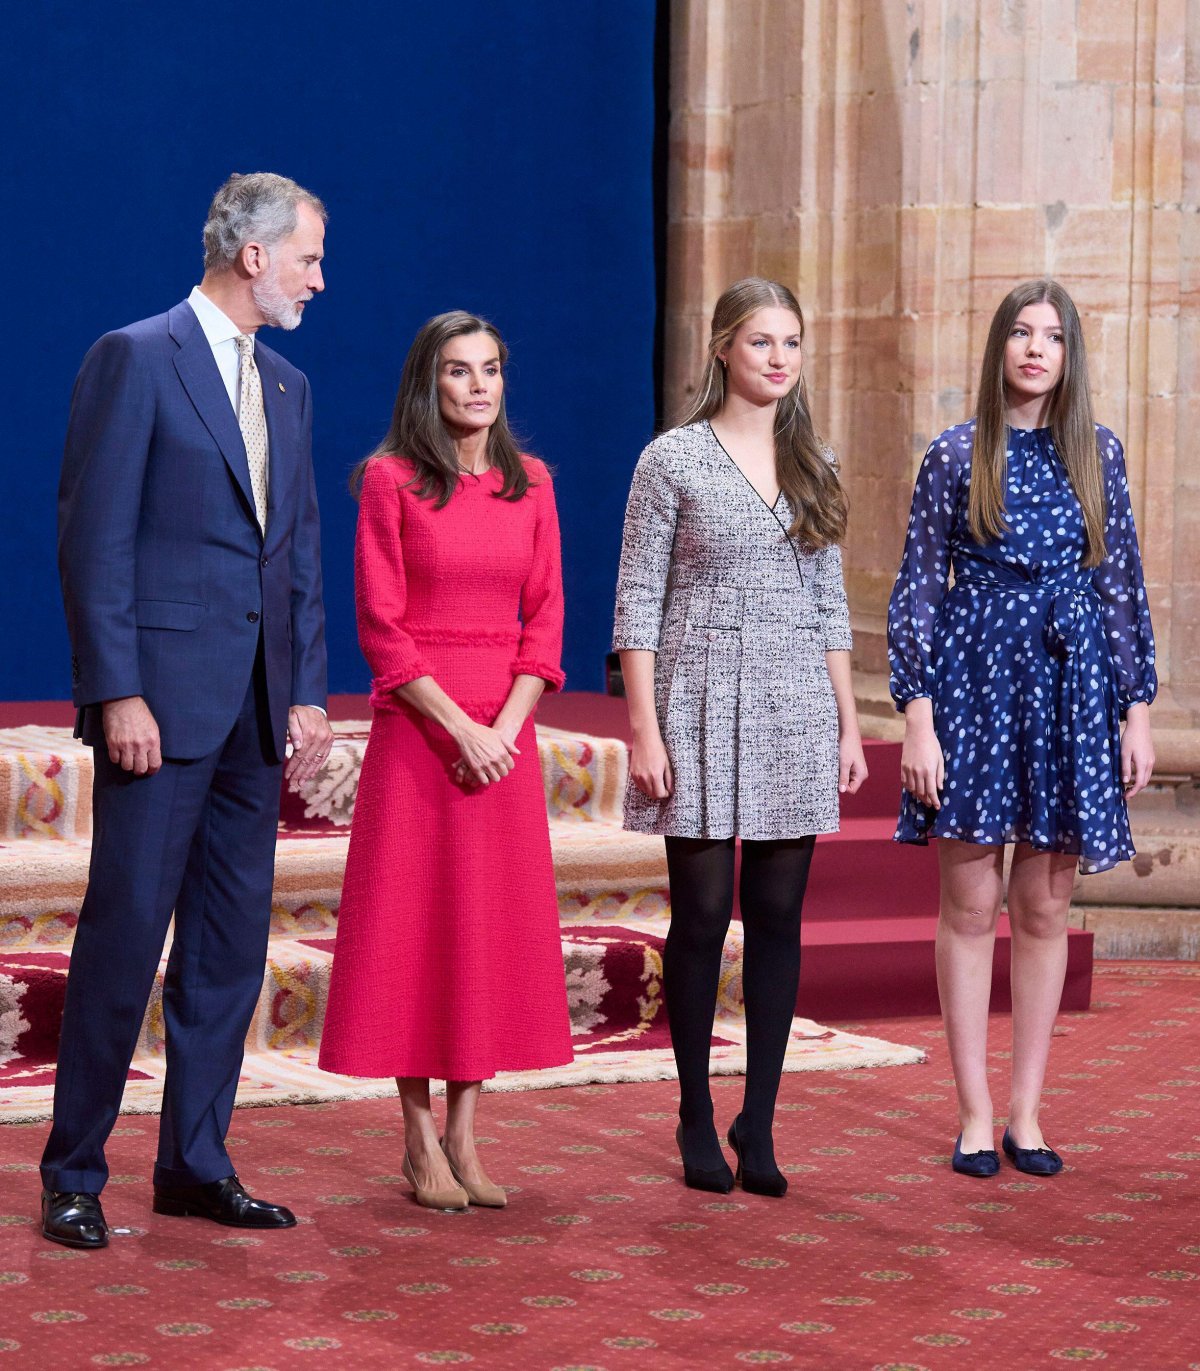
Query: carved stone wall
point(901, 164)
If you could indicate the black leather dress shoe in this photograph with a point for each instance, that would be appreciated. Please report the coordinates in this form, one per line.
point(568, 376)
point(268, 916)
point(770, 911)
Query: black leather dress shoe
point(73, 1218)
point(223, 1202)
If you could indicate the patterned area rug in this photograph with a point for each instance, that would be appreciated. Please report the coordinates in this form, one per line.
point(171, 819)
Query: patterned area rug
point(610, 1043)
point(879, 1257)
point(612, 906)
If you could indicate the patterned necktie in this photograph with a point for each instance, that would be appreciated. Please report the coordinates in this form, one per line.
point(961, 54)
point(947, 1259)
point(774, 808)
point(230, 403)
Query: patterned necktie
point(252, 420)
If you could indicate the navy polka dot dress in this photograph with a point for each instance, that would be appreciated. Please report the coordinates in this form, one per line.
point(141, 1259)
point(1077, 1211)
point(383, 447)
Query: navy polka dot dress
point(1029, 659)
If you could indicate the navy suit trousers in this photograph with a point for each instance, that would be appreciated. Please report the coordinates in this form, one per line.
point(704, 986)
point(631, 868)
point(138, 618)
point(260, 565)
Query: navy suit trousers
point(197, 838)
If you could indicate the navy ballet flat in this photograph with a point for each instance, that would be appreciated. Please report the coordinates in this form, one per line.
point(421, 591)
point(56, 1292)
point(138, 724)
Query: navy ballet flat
point(1034, 1161)
point(983, 1163)
point(770, 1183)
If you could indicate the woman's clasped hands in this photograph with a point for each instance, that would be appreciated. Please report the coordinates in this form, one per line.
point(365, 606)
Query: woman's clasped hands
point(487, 754)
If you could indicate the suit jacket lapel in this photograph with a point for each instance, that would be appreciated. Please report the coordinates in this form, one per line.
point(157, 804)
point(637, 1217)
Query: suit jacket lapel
point(197, 370)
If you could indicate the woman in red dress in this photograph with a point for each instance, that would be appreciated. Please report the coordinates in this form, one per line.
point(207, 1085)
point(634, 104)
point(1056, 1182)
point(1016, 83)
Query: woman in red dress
point(448, 963)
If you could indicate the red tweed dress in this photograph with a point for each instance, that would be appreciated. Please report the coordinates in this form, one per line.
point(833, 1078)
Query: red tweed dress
point(448, 962)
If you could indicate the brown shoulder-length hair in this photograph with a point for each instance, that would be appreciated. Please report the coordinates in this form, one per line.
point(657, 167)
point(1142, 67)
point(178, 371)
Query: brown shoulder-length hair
point(804, 467)
point(418, 431)
point(1072, 428)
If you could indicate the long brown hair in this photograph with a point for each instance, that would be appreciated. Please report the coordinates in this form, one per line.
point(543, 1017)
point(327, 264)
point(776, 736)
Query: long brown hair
point(803, 465)
point(1072, 428)
point(418, 431)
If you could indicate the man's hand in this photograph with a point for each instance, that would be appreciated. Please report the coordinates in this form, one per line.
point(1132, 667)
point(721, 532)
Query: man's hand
point(311, 739)
point(131, 734)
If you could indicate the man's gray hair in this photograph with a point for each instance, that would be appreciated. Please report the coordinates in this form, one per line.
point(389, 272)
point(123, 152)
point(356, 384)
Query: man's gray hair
point(258, 207)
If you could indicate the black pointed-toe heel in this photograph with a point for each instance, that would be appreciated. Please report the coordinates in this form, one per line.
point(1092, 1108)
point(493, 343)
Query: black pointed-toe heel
point(718, 1179)
point(771, 1183)
point(1034, 1161)
point(982, 1163)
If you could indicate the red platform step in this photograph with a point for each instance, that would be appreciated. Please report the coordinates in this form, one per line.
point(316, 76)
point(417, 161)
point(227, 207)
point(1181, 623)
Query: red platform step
point(878, 968)
point(871, 908)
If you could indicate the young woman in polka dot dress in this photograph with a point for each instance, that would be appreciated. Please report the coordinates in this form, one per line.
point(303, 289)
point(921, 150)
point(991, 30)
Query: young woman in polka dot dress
point(1013, 683)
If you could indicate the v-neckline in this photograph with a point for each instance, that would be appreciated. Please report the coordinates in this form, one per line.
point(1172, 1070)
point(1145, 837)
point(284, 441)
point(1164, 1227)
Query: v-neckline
point(771, 507)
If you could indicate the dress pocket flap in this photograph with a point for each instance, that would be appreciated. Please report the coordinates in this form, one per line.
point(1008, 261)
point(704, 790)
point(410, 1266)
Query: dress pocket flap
point(179, 614)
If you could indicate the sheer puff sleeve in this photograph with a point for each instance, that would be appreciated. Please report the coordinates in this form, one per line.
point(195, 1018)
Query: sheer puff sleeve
point(649, 535)
point(1119, 583)
point(380, 593)
point(540, 650)
point(924, 573)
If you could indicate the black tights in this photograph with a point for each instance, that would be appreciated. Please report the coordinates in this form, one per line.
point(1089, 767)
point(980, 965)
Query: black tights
point(773, 878)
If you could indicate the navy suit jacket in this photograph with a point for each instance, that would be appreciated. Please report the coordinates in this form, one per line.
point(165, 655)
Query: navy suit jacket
point(167, 580)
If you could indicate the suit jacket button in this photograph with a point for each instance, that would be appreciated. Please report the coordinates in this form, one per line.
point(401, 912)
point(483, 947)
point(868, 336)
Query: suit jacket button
point(265, 560)
point(252, 617)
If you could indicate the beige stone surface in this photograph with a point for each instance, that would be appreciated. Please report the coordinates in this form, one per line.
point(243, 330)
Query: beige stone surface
point(1135, 933)
point(901, 166)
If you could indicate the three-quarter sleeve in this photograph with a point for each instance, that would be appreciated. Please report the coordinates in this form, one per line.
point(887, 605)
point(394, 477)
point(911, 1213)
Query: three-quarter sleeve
point(829, 591)
point(924, 574)
point(1120, 584)
point(380, 590)
point(539, 652)
point(650, 516)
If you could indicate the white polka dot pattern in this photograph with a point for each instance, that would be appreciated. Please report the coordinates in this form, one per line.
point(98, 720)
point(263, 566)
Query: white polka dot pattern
point(1028, 659)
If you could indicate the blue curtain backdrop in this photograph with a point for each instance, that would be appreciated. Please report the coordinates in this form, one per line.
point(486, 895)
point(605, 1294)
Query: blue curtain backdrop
point(492, 157)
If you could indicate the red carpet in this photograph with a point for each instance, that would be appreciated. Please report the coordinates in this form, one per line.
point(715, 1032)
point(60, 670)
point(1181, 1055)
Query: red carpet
point(879, 1258)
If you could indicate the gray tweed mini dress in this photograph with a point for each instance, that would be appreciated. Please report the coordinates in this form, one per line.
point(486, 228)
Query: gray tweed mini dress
point(740, 617)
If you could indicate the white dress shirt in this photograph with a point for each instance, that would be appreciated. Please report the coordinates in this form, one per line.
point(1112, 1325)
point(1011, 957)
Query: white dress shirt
point(221, 332)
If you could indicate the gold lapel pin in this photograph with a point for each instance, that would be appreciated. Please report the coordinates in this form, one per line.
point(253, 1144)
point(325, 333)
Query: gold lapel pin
point(282, 387)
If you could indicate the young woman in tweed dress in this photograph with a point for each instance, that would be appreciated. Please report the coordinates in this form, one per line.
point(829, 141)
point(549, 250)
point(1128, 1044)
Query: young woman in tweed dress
point(734, 636)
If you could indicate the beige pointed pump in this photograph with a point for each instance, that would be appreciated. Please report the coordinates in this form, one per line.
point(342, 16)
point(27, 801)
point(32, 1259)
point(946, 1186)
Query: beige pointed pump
point(483, 1193)
point(453, 1198)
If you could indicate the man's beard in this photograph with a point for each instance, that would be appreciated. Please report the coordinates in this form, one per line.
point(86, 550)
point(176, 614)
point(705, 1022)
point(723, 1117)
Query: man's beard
point(277, 309)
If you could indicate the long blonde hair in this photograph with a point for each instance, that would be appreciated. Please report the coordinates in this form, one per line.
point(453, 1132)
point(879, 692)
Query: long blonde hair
point(1072, 428)
point(803, 468)
point(418, 431)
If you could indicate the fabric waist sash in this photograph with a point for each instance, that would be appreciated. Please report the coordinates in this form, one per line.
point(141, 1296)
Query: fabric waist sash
point(1071, 600)
point(1072, 632)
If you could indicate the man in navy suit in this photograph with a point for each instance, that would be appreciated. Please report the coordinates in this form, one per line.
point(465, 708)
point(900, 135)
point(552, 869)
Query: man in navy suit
point(189, 550)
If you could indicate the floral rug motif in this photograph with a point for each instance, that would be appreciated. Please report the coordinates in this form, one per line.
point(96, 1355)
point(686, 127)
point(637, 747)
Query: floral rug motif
point(614, 990)
point(612, 906)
